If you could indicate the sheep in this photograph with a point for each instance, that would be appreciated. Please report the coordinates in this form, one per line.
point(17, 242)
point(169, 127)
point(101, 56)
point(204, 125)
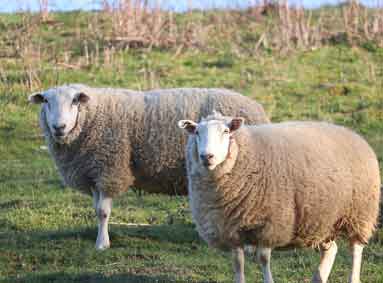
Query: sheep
point(283, 185)
point(105, 140)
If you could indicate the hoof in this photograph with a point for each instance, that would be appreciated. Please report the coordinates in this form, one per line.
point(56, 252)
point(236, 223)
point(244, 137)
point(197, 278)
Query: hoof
point(102, 246)
point(317, 279)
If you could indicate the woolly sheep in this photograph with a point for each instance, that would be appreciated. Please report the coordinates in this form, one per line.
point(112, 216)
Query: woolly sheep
point(105, 140)
point(292, 184)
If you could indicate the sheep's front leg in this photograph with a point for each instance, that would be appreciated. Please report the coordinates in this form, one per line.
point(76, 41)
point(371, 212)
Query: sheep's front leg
point(263, 257)
point(357, 251)
point(327, 257)
point(96, 197)
point(239, 264)
point(104, 207)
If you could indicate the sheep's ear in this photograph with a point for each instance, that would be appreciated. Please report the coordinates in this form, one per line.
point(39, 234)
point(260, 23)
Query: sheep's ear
point(235, 123)
point(83, 98)
point(188, 126)
point(36, 98)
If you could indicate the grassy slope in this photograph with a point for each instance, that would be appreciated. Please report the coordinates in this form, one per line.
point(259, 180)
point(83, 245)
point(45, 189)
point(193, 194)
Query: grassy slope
point(48, 234)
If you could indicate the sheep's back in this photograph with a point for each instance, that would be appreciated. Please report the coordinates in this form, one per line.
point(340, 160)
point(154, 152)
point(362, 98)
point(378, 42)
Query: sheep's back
point(321, 180)
point(160, 160)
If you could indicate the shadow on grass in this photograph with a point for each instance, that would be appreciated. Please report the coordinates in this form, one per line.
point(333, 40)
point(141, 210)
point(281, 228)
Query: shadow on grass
point(33, 244)
point(51, 182)
point(99, 278)
point(175, 233)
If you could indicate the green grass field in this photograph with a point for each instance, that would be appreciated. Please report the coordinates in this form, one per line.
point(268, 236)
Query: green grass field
point(47, 233)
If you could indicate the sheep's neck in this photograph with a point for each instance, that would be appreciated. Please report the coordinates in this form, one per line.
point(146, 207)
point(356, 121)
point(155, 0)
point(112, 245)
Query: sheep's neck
point(240, 175)
point(227, 177)
point(232, 190)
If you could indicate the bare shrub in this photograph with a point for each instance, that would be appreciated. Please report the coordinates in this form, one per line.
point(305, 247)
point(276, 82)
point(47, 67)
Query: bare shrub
point(44, 9)
point(362, 23)
point(136, 24)
point(26, 51)
point(297, 29)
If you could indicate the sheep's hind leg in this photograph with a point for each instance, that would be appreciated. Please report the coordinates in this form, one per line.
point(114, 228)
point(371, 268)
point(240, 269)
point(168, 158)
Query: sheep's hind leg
point(264, 257)
point(104, 207)
point(239, 264)
point(357, 251)
point(327, 257)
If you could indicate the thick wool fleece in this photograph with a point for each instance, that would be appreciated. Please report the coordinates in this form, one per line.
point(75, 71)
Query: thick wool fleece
point(287, 184)
point(125, 138)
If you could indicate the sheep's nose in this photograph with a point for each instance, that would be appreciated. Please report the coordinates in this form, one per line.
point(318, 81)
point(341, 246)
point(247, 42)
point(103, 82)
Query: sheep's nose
point(59, 127)
point(59, 130)
point(207, 157)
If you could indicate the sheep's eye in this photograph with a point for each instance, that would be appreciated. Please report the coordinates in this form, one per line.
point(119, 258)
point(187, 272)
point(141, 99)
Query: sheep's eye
point(226, 131)
point(75, 101)
point(45, 101)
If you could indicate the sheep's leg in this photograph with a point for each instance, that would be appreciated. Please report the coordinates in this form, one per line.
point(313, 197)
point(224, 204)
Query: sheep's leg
point(357, 250)
point(104, 208)
point(96, 197)
point(239, 264)
point(263, 257)
point(327, 257)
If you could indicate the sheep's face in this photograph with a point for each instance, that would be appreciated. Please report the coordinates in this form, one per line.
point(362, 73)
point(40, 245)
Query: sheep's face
point(61, 110)
point(213, 139)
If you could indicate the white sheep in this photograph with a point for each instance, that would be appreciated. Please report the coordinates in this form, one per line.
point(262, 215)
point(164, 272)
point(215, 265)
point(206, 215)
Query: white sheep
point(290, 184)
point(104, 140)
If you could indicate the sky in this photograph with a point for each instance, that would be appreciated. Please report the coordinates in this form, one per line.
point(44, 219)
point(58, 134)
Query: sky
point(175, 5)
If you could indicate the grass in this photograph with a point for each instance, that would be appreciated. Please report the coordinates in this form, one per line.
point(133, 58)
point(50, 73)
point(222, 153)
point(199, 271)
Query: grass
point(47, 233)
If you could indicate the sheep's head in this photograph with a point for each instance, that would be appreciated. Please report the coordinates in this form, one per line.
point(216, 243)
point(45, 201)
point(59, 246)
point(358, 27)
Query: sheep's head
point(61, 106)
point(212, 137)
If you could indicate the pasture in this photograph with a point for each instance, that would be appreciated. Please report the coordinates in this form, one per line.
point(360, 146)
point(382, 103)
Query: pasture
point(47, 232)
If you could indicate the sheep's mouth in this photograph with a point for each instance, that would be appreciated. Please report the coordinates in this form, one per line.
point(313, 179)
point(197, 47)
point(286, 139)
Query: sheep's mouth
point(60, 137)
point(209, 164)
point(205, 163)
point(59, 134)
point(211, 167)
